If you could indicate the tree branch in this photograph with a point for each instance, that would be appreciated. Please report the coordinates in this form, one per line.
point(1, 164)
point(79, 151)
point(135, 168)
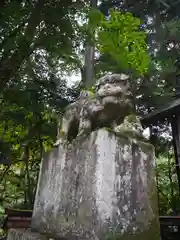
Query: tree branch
point(4, 173)
point(11, 65)
point(7, 38)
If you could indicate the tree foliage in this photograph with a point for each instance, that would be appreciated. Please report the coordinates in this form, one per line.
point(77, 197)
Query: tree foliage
point(120, 36)
point(36, 42)
point(167, 185)
point(30, 26)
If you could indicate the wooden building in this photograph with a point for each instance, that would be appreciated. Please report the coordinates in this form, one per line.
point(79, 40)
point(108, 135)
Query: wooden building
point(171, 113)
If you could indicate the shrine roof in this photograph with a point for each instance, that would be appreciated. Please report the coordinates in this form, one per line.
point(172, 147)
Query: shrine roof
point(166, 111)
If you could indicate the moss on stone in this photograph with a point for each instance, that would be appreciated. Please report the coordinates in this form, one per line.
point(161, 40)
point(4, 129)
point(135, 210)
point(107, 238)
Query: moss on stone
point(146, 144)
point(90, 93)
point(141, 142)
point(152, 233)
point(132, 118)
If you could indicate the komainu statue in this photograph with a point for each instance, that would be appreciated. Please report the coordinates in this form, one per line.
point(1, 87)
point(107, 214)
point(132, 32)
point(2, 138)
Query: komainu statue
point(108, 107)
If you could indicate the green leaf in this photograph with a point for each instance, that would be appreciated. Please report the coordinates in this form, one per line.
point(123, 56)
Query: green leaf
point(120, 36)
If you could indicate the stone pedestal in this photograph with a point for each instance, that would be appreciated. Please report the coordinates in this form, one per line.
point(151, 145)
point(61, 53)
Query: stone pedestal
point(20, 234)
point(102, 187)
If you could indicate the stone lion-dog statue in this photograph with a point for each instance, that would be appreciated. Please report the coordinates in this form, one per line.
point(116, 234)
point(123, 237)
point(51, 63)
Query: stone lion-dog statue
point(109, 106)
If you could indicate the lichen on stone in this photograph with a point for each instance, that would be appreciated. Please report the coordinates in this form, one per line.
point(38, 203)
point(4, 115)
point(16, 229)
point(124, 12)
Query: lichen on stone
point(131, 127)
point(150, 233)
point(100, 177)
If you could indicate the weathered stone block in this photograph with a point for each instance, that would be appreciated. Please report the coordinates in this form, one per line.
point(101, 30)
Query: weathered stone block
point(101, 187)
point(24, 235)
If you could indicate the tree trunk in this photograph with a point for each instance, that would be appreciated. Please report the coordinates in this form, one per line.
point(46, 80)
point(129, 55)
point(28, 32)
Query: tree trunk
point(89, 59)
point(26, 160)
point(173, 204)
point(11, 65)
point(89, 66)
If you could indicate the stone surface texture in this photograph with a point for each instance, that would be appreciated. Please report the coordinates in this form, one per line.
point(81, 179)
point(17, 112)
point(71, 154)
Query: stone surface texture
point(100, 187)
point(20, 234)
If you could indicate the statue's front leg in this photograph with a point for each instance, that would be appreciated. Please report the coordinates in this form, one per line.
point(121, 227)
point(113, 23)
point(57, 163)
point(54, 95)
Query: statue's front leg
point(131, 127)
point(114, 125)
point(62, 132)
point(84, 123)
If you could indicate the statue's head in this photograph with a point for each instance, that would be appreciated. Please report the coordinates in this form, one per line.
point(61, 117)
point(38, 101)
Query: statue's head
point(114, 85)
point(114, 89)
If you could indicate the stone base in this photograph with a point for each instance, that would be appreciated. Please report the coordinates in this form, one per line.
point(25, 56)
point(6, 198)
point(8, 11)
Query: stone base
point(100, 187)
point(19, 234)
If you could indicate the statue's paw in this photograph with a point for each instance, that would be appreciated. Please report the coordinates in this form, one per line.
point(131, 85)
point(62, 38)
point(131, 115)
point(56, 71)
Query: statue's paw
point(58, 142)
point(121, 129)
point(85, 130)
point(82, 134)
point(135, 134)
